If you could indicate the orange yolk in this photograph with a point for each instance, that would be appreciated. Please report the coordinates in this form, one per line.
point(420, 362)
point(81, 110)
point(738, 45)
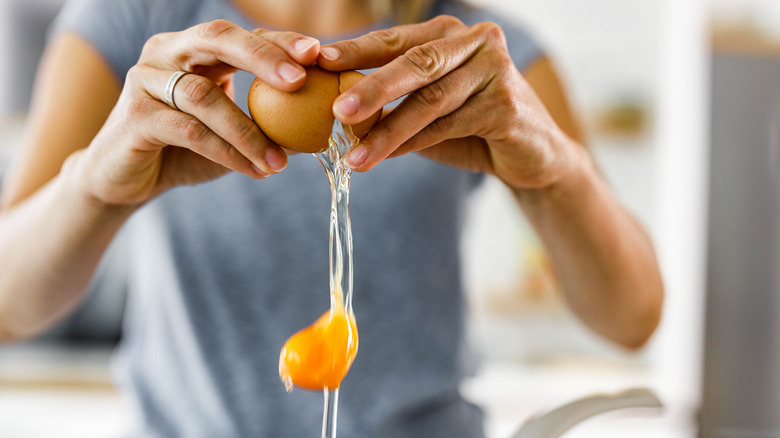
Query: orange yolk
point(320, 355)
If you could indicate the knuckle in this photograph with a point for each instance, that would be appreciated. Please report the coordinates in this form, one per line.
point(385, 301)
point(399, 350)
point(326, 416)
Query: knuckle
point(192, 130)
point(214, 29)
point(511, 109)
point(491, 32)
point(289, 35)
point(424, 60)
point(389, 39)
point(500, 65)
point(433, 95)
point(506, 89)
point(226, 154)
point(387, 131)
point(441, 125)
point(246, 133)
point(136, 108)
point(200, 91)
point(377, 87)
point(260, 49)
point(351, 46)
point(151, 45)
point(134, 75)
point(222, 152)
point(448, 21)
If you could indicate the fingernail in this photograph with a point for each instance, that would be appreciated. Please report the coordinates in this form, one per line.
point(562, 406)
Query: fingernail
point(291, 73)
point(330, 53)
point(346, 106)
point(259, 171)
point(357, 156)
point(275, 160)
point(305, 44)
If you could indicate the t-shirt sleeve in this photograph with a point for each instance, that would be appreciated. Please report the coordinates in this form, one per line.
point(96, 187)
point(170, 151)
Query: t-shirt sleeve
point(117, 29)
point(522, 47)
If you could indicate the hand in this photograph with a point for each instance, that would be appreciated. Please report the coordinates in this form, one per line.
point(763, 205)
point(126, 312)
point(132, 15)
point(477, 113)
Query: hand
point(147, 147)
point(467, 105)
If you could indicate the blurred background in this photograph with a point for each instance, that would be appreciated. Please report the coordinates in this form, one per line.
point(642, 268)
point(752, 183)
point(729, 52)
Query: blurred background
point(679, 100)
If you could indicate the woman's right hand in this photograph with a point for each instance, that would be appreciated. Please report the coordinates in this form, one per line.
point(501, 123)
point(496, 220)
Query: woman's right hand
point(146, 147)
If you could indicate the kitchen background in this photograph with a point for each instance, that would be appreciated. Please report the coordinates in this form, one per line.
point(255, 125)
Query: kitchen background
point(642, 74)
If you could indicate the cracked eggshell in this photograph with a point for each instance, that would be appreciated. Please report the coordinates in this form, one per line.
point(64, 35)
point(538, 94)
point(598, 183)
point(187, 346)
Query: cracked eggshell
point(302, 120)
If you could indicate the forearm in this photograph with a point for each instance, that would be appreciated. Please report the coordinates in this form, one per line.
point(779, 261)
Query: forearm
point(604, 260)
point(50, 246)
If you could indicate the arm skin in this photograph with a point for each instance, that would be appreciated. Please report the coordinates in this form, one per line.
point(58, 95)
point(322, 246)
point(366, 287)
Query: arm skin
point(52, 231)
point(469, 107)
point(603, 258)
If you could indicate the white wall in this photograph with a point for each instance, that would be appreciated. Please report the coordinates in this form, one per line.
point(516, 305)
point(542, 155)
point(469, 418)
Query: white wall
point(681, 190)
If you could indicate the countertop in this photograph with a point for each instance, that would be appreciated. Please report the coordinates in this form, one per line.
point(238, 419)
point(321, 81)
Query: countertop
point(70, 388)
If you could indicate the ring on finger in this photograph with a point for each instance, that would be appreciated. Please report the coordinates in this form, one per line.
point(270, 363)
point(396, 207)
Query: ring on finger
point(171, 85)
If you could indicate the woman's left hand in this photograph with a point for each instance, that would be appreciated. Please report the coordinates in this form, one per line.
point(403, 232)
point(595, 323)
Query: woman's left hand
point(467, 106)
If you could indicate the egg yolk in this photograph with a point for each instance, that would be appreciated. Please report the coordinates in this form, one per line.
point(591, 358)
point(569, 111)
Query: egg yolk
point(320, 355)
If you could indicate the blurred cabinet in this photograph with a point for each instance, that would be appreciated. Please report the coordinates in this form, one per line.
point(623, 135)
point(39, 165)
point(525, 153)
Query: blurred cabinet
point(742, 348)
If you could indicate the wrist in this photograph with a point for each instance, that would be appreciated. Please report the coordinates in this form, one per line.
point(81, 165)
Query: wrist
point(575, 175)
point(76, 182)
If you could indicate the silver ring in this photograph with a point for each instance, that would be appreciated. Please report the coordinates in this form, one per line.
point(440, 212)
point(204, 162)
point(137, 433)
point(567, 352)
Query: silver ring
point(169, 87)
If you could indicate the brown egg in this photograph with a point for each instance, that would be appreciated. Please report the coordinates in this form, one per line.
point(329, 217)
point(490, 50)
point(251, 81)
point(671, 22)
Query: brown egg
point(302, 120)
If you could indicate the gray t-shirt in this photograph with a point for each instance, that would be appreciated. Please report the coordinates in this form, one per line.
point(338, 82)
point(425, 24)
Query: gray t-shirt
point(223, 272)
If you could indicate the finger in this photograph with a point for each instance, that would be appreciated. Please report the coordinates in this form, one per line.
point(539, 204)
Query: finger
point(415, 113)
point(190, 168)
point(450, 127)
point(207, 102)
point(416, 68)
point(469, 153)
point(473, 120)
point(379, 47)
point(221, 41)
point(167, 127)
point(220, 73)
point(300, 48)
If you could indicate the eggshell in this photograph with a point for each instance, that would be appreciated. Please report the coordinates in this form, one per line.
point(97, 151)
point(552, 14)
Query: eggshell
point(302, 120)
